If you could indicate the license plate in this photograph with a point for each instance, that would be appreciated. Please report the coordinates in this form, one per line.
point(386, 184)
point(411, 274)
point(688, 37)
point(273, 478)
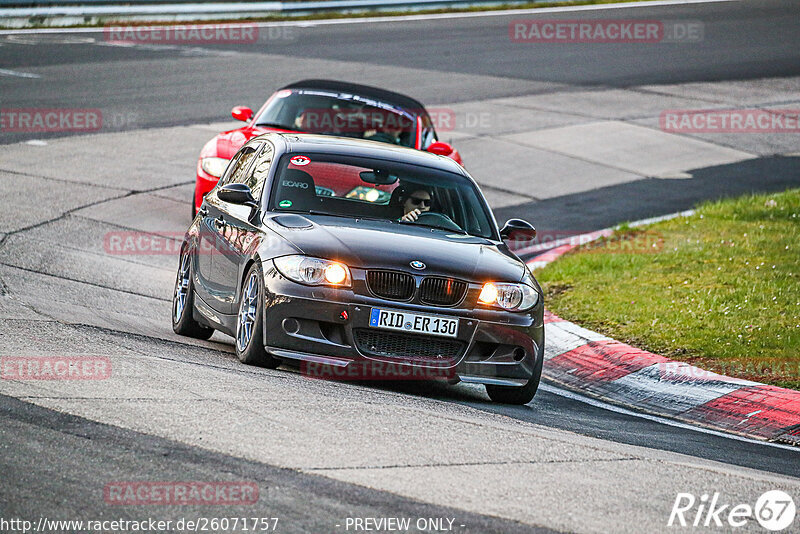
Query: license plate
point(413, 322)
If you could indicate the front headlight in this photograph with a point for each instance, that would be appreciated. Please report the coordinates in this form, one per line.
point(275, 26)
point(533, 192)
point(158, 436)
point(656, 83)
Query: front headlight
point(512, 297)
point(214, 166)
point(313, 271)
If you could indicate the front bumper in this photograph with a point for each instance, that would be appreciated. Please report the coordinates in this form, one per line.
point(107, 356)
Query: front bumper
point(203, 184)
point(328, 330)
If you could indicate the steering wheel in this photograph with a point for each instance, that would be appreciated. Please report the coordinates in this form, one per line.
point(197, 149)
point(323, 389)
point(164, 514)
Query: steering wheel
point(432, 218)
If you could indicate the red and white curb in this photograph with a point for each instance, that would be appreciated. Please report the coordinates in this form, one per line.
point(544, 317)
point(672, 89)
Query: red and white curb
point(597, 366)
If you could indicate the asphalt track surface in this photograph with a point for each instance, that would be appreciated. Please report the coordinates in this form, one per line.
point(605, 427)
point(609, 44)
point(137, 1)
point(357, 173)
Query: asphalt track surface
point(320, 451)
point(466, 59)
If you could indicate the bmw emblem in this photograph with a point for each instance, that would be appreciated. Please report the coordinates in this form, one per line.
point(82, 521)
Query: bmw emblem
point(416, 264)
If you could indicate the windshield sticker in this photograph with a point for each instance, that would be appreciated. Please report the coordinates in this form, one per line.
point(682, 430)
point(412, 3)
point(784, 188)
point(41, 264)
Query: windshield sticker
point(300, 161)
point(285, 204)
point(283, 93)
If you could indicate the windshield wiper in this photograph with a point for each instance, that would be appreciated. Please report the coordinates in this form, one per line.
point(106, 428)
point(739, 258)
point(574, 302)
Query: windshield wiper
point(317, 212)
point(459, 231)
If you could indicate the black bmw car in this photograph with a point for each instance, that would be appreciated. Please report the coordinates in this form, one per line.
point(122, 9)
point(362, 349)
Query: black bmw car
point(336, 252)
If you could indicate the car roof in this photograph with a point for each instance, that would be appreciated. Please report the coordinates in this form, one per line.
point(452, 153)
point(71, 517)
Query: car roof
point(388, 97)
point(328, 144)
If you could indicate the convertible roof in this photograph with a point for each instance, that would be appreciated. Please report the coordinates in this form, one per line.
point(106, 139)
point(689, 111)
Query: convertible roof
point(389, 97)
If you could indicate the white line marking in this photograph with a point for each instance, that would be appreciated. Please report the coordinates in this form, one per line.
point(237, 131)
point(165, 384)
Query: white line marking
point(405, 18)
point(192, 51)
point(7, 72)
point(529, 11)
point(669, 422)
point(32, 40)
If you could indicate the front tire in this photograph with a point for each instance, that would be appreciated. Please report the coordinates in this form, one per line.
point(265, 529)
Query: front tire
point(250, 321)
point(516, 395)
point(183, 322)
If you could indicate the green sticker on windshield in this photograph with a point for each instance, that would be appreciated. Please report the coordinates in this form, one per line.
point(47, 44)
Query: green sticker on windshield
point(285, 204)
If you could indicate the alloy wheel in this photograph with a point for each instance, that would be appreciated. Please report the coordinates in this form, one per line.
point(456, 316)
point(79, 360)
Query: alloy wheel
point(181, 287)
point(247, 313)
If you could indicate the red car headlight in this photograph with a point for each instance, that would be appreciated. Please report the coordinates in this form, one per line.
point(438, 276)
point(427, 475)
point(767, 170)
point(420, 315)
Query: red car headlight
point(214, 166)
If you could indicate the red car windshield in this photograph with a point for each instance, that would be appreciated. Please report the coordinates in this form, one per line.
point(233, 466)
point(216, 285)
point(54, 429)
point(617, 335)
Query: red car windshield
point(328, 184)
point(330, 113)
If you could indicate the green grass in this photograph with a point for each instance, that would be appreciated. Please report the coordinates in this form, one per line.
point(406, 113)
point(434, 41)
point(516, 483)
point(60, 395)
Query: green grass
point(323, 15)
point(720, 289)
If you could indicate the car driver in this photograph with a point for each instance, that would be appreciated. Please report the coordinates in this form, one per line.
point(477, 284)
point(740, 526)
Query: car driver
point(414, 203)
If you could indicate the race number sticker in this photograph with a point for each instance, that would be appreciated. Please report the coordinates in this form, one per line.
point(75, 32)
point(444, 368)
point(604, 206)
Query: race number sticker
point(300, 161)
point(775, 510)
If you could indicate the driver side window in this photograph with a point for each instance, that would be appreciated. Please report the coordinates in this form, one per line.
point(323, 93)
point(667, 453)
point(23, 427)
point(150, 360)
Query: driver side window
point(241, 161)
point(256, 180)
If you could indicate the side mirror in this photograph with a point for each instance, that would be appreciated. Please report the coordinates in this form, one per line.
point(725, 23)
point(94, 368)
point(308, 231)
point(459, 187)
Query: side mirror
point(237, 194)
point(242, 113)
point(518, 230)
point(440, 149)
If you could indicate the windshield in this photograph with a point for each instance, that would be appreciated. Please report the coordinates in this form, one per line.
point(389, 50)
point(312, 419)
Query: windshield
point(345, 115)
point(379, 189)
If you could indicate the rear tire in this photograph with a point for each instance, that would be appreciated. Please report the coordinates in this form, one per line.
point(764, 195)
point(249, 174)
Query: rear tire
point(183, 322)
point(250, 322)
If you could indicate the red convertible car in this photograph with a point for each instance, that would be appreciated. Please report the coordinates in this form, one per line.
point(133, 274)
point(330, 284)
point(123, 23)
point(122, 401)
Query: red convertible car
point(324, 107)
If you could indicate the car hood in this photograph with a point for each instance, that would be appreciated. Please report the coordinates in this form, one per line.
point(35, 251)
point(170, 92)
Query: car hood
point(363, 243)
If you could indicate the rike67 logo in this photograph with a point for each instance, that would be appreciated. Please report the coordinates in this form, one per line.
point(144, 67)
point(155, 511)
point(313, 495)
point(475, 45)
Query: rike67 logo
point(774, 510)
